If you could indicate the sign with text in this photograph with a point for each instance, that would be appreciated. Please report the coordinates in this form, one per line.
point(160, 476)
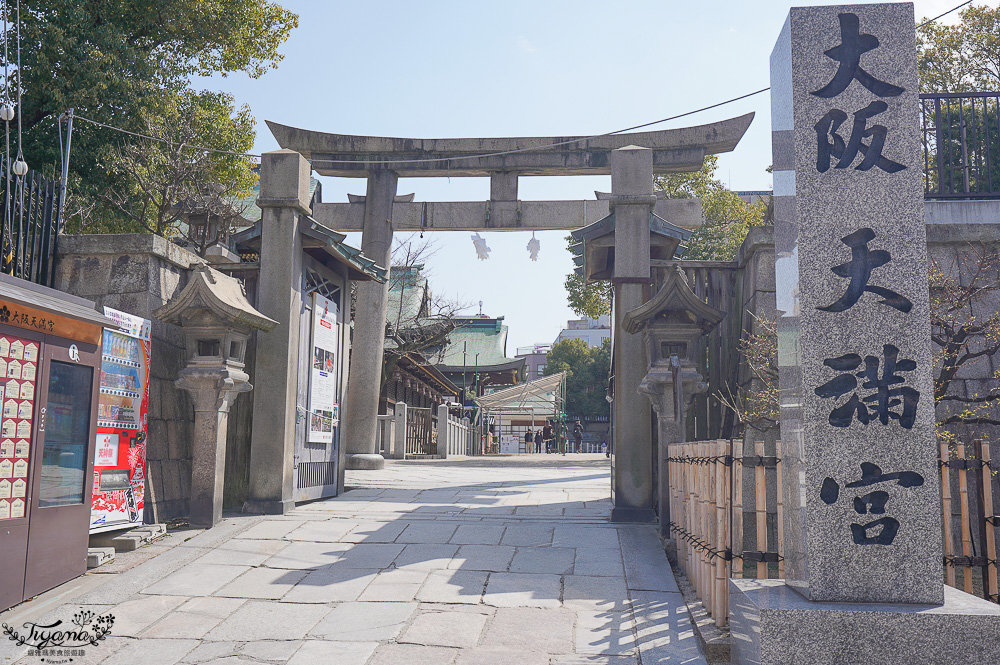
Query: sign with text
point(857, 418)
point(323, 411)
point(106, 450)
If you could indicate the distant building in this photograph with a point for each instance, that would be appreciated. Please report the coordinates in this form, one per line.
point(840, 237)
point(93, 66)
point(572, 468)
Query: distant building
point(476, 355)
point(752, 196)
point(412, 378)
point(534, 359)
point(592, 331)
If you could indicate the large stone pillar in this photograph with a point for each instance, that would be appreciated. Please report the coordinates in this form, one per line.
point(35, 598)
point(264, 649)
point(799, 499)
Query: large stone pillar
point(363, 381)
point(632, 200)
point(284, 196)
point(860, 468)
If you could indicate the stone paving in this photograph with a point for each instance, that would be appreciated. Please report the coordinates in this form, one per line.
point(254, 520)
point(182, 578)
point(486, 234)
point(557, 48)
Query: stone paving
point(445, 562)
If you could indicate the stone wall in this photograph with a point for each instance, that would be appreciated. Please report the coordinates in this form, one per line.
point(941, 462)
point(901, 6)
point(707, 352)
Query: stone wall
point(137, 273)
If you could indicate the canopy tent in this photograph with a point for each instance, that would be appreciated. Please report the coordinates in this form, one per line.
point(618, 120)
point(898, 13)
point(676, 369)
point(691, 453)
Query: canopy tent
point(543, 398)
point(544, 394)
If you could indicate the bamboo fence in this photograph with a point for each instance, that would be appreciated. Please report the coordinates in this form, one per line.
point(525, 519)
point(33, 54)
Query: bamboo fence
point(708, 502)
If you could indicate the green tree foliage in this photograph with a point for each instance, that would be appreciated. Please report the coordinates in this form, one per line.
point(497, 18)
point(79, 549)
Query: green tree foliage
point(157, 176)
point(961, 58)
point(587, 371)
point(128, 63)
point(593, 300)
point(727, 218)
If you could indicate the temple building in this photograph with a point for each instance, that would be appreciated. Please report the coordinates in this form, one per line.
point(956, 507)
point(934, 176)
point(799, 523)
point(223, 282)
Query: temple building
point(475, 359)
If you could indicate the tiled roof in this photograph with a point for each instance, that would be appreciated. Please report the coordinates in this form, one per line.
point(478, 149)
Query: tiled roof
point(362, 267)
point(485, 336)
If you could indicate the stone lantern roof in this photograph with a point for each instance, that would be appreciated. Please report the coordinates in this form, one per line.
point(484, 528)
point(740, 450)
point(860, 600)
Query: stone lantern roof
point(209, 289)
point(675, 303)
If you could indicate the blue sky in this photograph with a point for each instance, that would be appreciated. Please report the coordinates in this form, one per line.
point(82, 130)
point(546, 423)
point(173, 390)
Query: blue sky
point(517, 68)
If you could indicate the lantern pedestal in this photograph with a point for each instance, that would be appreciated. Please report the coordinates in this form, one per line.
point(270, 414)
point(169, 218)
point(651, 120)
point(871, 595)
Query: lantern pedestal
point(213, 391)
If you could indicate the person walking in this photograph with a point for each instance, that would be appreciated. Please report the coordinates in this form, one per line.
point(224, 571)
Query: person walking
point(547, 436)
point(529, 441)
point(538, 440)
point(577, 435)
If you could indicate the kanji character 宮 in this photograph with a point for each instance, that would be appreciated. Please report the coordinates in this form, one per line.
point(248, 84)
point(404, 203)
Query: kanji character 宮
point(873, 503)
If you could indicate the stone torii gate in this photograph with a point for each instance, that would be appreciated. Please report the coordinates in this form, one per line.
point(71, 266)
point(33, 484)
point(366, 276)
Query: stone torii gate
point(381, 211)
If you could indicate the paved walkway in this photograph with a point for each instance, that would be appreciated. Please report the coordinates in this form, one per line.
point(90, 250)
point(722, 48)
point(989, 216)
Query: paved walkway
point(446, 562)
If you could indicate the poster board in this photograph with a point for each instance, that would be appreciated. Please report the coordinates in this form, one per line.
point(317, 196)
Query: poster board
point(509, 444)
point(323, 406)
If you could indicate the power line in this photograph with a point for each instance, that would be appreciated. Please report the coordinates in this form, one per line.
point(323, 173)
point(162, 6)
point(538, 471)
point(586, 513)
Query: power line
point(540, 147)
point(931, 20)
point(163, 140)
point(476, 156)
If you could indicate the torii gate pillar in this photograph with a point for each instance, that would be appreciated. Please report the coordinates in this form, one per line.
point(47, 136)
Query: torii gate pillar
point(632, 201)
point(364, 379)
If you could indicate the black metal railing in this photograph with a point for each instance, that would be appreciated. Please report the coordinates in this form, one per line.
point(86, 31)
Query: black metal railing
point(961, 141)
point(28, 232)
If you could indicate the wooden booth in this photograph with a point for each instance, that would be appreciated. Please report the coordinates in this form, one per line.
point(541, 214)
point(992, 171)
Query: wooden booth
point(50, 360)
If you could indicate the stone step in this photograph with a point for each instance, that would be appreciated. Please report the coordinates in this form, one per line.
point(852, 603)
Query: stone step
point(127, 541)
point(422, 456)
point(98, 556)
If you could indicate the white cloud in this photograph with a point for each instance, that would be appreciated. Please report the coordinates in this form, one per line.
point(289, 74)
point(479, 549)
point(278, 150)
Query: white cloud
point(525, 45)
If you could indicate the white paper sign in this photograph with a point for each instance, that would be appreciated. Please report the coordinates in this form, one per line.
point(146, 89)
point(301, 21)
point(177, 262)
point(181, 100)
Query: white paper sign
point(323, 375)
point(509, 444)
point(106, 450)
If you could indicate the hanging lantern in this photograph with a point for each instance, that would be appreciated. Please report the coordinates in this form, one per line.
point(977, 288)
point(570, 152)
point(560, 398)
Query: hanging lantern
point(19, 167)
point(6, 112)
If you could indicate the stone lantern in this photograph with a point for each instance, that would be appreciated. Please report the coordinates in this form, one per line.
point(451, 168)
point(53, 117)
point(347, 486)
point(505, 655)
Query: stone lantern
point(217, 321)
point(671, 323)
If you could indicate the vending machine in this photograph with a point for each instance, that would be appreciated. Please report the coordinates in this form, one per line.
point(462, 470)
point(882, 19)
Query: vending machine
point(122, 420)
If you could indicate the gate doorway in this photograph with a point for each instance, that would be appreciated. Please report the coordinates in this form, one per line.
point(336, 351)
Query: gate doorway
point(419, 431)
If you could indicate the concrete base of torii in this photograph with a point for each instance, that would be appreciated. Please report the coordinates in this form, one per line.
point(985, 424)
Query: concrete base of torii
point(365, 462)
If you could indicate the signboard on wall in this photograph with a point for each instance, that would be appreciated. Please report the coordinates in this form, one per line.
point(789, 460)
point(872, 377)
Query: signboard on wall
point(323, 407)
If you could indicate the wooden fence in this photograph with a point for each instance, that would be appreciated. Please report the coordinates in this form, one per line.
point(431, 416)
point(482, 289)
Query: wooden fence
point(708, 501)
point(976, 468)
point(419, 431)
